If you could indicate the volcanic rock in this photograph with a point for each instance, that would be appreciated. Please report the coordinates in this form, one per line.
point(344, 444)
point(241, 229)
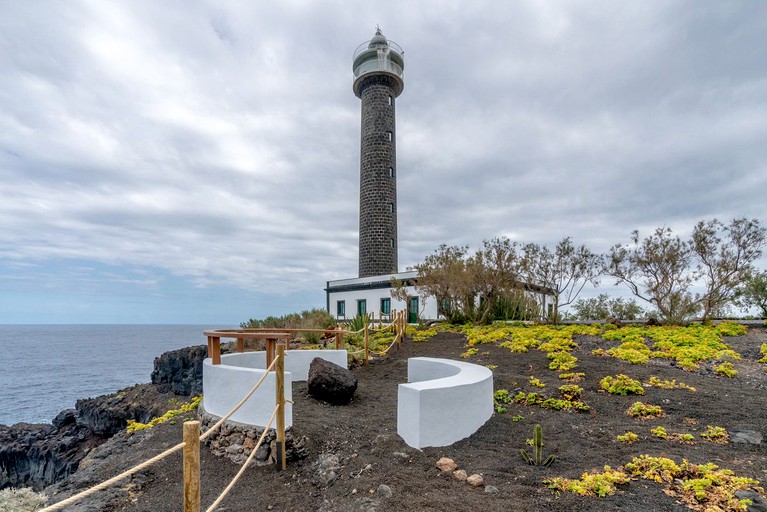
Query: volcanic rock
point(329, 382)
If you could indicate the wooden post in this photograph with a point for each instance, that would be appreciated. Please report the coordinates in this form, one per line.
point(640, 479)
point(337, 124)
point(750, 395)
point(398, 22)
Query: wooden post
point(216, 346)
point(339, 335)
point(367, 350)
point(270, 351)
point(240, 345)
point(191, 464)
point(279, 370)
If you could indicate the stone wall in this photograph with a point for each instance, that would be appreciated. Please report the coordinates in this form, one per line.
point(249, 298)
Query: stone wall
point(235, 441)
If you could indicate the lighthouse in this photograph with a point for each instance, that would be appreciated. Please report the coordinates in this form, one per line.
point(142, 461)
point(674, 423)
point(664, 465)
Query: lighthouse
point(378, 65)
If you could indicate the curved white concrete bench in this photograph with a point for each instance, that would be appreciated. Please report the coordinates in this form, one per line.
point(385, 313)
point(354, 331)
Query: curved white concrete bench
point(443, 402)
point(224, 385)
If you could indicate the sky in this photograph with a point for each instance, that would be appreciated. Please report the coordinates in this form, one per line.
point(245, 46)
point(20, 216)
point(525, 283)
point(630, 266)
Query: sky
point(198, 162)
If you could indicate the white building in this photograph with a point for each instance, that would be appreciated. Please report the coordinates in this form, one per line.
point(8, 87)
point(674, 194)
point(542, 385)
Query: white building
point(347, 298)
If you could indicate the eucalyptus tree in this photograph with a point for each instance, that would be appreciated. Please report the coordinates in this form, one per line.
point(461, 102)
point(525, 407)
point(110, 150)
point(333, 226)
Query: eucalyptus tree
point(662, 269)
point(753, 293)
point(726, 256)
point(563, 272)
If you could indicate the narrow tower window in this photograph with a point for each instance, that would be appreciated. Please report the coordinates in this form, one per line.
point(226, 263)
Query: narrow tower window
point(391, 207)
point(391, 172)
point(389, 136)
point(391, 100)
point(391, 242)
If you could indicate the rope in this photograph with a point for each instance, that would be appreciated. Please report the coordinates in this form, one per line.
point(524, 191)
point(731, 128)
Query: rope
point(245, 465)
point(390, 346)
point(114, 479)
point(157, 458)
point(236, 407)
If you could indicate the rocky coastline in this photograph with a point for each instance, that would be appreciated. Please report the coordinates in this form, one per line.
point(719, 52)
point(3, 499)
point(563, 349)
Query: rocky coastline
point(40, 455)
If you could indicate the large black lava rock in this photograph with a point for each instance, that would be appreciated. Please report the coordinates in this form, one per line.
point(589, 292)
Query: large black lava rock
point(329, 382)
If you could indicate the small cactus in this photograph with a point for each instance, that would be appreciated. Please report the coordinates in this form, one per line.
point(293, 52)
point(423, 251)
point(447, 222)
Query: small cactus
point(537, 444)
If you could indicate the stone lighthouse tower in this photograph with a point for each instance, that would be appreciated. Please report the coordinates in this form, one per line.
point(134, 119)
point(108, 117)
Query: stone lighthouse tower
point(378, 66)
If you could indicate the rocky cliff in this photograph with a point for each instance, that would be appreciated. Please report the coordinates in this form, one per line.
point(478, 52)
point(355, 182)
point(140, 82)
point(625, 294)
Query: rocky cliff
point(40, 455)
point(180, 370)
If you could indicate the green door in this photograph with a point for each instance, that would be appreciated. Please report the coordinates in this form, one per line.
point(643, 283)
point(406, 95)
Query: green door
point(412, 310)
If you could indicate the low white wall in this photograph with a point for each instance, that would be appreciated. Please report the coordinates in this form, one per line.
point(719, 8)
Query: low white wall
point(297, 361)
point(443, 402)
point(224, 385)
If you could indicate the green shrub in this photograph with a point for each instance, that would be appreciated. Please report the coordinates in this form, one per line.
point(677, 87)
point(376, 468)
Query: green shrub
point(307, 319)
point(621, 385)
point(572, 377)
point(645, 411)
point(726, 370)
point(570, 391)
point(562, 361)
point(500, 398)
point(716, 435)
point(731, 329)
point(667, 384)
point(134, 426)
point(628, 438)
point(591, 484)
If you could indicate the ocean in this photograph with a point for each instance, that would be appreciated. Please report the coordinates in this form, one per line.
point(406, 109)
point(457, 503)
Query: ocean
point(44, 369)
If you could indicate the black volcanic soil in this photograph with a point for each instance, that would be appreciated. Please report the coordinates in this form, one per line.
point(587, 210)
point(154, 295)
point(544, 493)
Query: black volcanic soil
point(363, 435)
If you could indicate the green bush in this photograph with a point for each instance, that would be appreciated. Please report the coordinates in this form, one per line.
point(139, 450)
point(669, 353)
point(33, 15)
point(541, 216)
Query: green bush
point(621, 385)
point(308, 319)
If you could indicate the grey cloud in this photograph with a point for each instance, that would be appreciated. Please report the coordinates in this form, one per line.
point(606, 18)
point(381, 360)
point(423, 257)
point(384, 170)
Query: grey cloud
point(220, 141)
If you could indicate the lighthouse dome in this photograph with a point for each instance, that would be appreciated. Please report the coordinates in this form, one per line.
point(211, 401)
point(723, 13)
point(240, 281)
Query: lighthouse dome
point(378, 40)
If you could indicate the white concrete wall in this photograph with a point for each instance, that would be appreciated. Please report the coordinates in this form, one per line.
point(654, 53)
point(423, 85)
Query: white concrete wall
point(297, 361)
point(444, 401)
point(224, 385)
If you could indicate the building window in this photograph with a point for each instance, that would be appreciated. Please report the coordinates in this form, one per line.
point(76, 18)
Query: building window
point(391, 243)
point(391, 172)
point(362, 307)
point(341, 308)
point(391, 207)
point(390, 136)
point(391, 100)
point(385, 306)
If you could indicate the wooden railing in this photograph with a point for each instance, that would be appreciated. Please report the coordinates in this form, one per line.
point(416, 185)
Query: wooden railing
point(272, 336)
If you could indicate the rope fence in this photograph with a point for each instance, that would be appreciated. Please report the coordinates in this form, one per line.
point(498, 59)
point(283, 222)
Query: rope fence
point(192, 462)
point(244, 465)
point(157, 458)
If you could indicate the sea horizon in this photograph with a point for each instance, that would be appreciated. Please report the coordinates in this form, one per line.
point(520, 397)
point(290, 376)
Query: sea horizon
point(48, 367)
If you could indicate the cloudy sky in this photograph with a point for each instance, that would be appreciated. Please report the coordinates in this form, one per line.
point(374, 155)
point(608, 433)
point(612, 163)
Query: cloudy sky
point(198, 162)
